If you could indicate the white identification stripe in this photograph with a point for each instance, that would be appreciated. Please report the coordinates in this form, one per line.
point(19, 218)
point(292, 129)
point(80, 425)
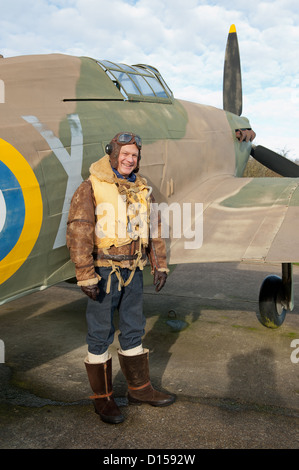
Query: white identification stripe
point(72, 164)
point(2, 211)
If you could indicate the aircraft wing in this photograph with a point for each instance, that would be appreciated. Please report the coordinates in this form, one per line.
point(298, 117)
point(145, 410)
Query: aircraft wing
point(243, 219)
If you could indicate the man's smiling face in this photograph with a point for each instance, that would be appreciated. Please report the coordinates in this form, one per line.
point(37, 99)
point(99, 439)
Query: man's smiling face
point(127, 159)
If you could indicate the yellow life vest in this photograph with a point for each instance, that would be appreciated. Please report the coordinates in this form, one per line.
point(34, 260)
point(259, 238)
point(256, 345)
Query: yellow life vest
point(122, 213)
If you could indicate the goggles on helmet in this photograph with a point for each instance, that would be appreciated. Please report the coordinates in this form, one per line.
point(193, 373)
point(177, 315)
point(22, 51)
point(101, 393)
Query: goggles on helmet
point(127, 138)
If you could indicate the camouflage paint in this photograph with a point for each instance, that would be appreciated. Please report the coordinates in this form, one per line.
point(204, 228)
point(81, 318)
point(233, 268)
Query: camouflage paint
point(190, 154)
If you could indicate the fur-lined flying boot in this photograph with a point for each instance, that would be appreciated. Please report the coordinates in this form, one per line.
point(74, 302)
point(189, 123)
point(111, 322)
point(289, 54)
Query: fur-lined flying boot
point(140, 389)
point(100, 379)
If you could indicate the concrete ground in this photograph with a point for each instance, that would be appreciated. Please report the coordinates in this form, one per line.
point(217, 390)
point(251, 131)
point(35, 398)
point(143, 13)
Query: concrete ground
point(237, 382)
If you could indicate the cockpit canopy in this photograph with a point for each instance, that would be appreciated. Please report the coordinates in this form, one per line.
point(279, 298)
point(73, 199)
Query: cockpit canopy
point(138, 82)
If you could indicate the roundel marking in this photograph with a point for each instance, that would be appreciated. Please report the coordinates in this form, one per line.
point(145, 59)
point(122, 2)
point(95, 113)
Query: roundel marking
point(12, 210)
point(21, 210)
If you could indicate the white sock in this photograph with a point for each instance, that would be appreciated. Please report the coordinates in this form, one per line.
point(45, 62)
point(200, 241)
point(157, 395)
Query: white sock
point(98, 358)
point(133, 351)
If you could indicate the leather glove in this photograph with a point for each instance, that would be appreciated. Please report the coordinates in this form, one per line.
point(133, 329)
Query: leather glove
point(159, 279)
point(91, 291)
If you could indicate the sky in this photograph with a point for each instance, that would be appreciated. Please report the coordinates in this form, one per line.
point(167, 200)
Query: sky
point(185, 40)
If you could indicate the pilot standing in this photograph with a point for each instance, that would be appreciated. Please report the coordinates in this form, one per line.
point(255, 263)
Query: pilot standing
point(108, 239)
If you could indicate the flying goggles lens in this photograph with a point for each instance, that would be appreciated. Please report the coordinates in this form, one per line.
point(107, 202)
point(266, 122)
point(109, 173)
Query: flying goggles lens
point(127, 138)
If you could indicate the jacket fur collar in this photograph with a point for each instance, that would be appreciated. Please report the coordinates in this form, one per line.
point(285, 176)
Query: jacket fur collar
point(103, 171)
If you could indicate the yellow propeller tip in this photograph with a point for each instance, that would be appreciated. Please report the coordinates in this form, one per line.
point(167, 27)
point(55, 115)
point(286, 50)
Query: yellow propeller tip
point(232, 29)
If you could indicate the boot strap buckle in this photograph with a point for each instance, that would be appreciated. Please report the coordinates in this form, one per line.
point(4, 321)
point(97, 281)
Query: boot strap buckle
point(141, 386)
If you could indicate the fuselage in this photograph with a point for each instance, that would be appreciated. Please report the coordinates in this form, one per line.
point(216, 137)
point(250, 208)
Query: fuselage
point(57, 114)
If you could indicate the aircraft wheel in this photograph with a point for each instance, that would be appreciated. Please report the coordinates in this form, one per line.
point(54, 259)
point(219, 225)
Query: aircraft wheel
point(271, 309)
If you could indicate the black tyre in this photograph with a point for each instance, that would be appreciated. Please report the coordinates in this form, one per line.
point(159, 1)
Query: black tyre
point(271, 309)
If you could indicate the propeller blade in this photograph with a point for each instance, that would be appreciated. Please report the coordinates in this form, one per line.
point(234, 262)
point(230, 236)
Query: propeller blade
point(232, 82)
point(275, 162)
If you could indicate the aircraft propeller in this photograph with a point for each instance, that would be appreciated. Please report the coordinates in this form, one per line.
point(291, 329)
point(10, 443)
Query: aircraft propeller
point(275, 162)
point(232, 102)
point(232, 81)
